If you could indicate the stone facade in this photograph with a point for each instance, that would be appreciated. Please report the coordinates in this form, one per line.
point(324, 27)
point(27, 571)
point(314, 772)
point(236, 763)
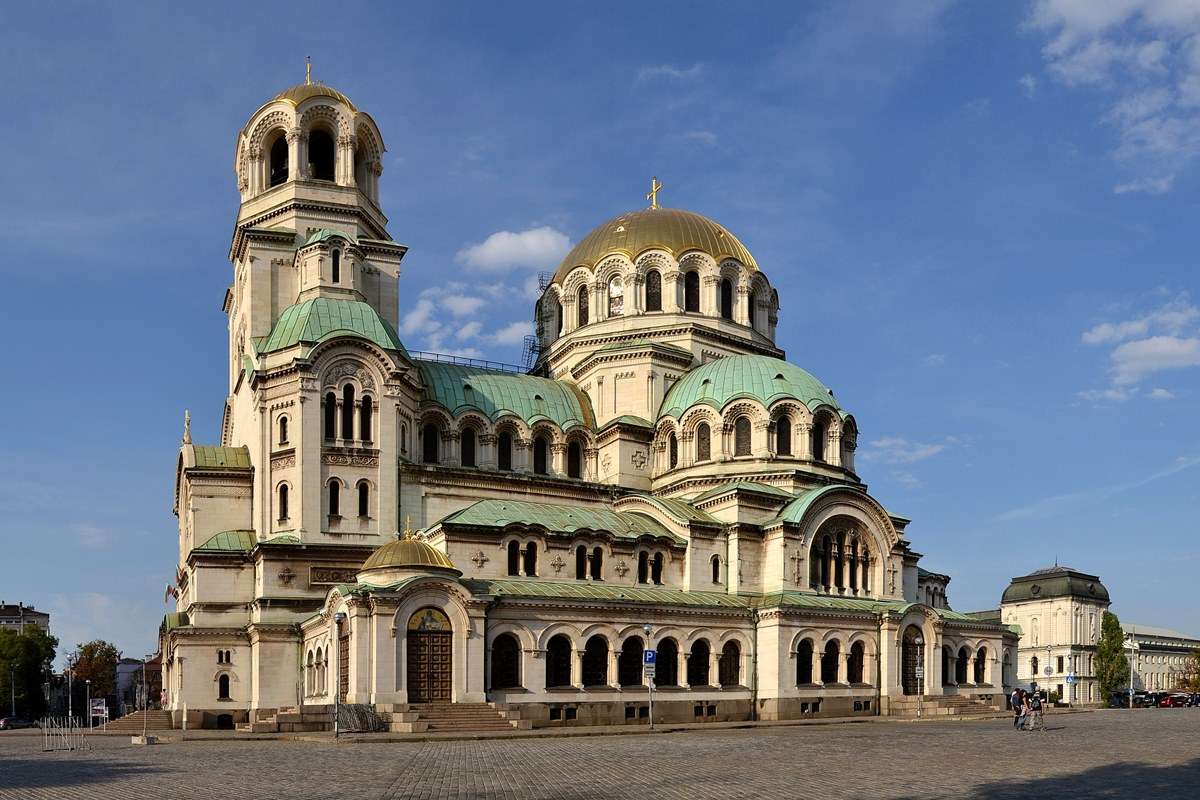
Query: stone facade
point(661, 478)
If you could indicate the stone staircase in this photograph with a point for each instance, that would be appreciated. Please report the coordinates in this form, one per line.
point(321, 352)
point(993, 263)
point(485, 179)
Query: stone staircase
point(132, 723)
point(289, 719)
point(451, 718)
point(948, 705)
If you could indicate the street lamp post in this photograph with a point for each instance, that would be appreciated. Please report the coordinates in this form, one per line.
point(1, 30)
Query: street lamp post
point(88, 702)
point(920, 643)
point(650, 679)
point(70, 707)
point(12, 687)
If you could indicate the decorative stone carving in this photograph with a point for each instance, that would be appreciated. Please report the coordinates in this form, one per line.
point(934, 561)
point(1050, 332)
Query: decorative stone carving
point(342, 460)
point(349, 369)
point(286, 576)
point(621, 568)
point(558, 564)
point(327, 575)
point(480, 559)
point(639, 458)
point(283, 462)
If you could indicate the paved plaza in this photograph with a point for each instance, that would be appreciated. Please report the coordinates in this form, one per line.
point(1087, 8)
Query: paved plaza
point(1154, 753)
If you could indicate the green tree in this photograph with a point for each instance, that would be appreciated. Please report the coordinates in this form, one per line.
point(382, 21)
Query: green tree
point(25, 659)
point(1189, 677)
point(96, 661)
point(1112, 663)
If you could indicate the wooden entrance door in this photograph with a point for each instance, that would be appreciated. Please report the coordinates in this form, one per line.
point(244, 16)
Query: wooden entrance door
point(430, 657)
point(910, 661)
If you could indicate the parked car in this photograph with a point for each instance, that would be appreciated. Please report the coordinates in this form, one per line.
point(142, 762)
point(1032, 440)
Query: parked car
point(12, 723)
point(1172, 701)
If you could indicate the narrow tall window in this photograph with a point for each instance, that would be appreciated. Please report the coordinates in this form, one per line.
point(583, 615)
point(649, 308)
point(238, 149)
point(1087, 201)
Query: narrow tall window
point(223, 687)
point(504, 451)
point(616, 297)
point(691, 291)
point(643, 571)
point(818, 441)
point(558, 661)
point(656, 567)
point(530, 560)
point(506, 662)
point(726, 298)
point(429, 443)
point(364, 499)
point(703, 442)
point(582, 307)
point(730, 665)
point(597, 563)
point(514, 558)
point(783, 436)
point(337, 266)
point(320, 155)
point(653, 291)
point(673, 451)
point(668, 663)
point(364, 418)
point(697, 664)
point(804, 663)
point(279, 161)
point(574, 460)
point(283, 502)
point(750, 309)
point(741, 436)
point(581, 562)
point(335, 498)
point(854, 667)
point(330, 415)
point(829, 662)
point(283, 432)
point(716, 569)
point(348, 412)
point(540, 448)
point(467, 447)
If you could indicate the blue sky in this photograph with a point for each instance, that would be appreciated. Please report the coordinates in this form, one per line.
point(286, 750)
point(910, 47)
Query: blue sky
point(980, 218)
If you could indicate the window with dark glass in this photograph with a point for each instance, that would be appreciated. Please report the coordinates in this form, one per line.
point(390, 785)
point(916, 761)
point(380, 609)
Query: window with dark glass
point(540, 455)
point(691, 291)
point(429, 443)
point(653, 291)
point(283, 502)
point(365, 413)
point(581, 562)
point(283, 431)
point(629, 662)
point(703, 442)
point(337, 266)
point(506, 662)
point(643, 568)
point(697, 663)
point(582, 307)
point(595, 661)
point(364, 499)
point(504, 451)
point(656, 568)
point(335, 498)
point(320, 155)
point(530, 560)
point(597, 563)
point(279, 161)
point(514, 558)
point(804, 663)
point(729, 667)
point(574, 460)
point(558, 661)
point(466, 446)
point(783, 436)
point(726, 298)
point(347, 412)
point(330, 415)
point(741, 436)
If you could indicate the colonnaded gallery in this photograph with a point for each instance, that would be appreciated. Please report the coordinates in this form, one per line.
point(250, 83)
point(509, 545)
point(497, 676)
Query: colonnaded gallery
point(457, 545)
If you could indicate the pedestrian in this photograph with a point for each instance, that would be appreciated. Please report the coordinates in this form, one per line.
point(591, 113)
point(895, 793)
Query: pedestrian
point(1015, 702)
point(1036, 723)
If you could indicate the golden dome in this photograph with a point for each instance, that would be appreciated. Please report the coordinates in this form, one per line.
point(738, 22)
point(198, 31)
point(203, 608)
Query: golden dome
point(671, 229)
point(408, 553)
point(303, 91)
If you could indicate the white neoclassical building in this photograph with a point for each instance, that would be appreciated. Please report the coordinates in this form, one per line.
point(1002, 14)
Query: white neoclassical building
point(661, 478)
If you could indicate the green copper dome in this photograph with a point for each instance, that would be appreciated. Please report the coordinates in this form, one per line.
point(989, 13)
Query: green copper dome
point(493, 393)
point(314, 321)
point(760, 378)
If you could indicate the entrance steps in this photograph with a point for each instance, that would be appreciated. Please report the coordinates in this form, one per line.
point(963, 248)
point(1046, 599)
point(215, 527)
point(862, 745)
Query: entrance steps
point(451, 717)
point(942, 705)
point(289, 719)
point(133, 723)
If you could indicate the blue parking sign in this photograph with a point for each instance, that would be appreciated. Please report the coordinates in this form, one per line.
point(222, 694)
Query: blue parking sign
point(648, 657)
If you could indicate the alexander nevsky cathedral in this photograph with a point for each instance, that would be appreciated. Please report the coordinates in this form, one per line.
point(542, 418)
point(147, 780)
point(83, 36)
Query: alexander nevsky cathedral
point(457, 546)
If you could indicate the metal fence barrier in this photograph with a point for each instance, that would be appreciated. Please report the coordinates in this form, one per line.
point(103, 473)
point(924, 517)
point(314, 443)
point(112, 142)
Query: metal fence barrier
point(359, 718)
point(63, 733)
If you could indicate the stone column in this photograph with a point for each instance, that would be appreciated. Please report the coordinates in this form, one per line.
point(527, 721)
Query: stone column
point(672, 287)
point(576, 667)
point(486, 457)
point(803, 444)
point(741, 306)
point(558, 459)
point(294, 137)
point(709, 305)
point(613, 653)
point(714, 666)
point(681, 670)
point(833, 446)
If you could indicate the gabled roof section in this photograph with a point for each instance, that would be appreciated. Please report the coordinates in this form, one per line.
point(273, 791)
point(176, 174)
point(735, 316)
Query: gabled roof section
point(629, 419)
point(237, 541)
point(493, 393)
point(749, 486)
point(321, 318)
point(589, 591)
point(173, 620)
point(217, 457)
point(559, 519)
point(325, 234)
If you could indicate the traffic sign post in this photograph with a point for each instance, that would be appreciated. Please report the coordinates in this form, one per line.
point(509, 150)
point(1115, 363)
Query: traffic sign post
point(649, 665)
point(1070, 688)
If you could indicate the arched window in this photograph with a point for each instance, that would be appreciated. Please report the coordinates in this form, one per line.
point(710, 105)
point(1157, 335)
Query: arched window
point(466, 447)
point(854, 667)
point(960, 666)
point(581, 562)
point(309, 678)
point(672, 451)
point(947, 667)
point(703, 442)
point(337, 266)
point(223, 687)
point(852, 565)
point(643, 571)
point(691, 291)
point(829, 662)
point(320, 155)
point(347, 412)
point(364, 418)
point(514, 558)
point(726, 298)
point(279, 161)
point(804, 663)
point(540, 454)
point(283, 502)
point(595, 661)
point(504, 451)
point(530, 560)
point(783, 436)
point(330, 415)
point(818, 440)
point(656, 567)
point(653, 291)
point(403, 438)
point(581, 307)
point(558, 661)
point(335, 498)
point(750, 309)
point(667, 670)
point(729, 667)
point(616, 296)
point(506, 662)
point(597, 563)
point(429, 443)
point(741, 436)
point(283, 431)
point(980, 665)
point(697, 664)
point(716, 569)
point(629, 663)
point(574, 460)
point(364, 499)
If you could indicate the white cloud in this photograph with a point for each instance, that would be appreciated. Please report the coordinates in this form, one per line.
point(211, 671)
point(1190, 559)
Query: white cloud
point(707, 138)
point(461, 305)
point(505, 250)
point(469, 331)
point(419, 319)
point(907, 479)
point(1135, 360)
point(934, 360)
point(1173, 317)
point(1107, 396)
point(899, 450)
point(1158, 393)
point(670, 72)
point(1165, 338)
point(1143, 58)
point(513, 333)
point(1028, 84)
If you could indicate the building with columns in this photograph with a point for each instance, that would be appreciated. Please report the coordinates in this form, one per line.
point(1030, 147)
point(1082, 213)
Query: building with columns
point(404, 531)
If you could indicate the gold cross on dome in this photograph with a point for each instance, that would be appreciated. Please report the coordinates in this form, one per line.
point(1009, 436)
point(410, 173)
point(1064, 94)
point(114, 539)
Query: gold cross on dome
point(652, 195)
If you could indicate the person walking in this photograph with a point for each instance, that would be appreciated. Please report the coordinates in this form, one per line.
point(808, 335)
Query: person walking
point(1017, 704)
point(1036, 722)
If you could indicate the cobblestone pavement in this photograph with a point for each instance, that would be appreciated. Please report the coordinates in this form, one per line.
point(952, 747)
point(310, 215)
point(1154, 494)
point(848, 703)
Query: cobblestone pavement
point(1142, 754)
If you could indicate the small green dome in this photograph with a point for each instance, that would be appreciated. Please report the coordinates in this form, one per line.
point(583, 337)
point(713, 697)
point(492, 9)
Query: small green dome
point(314, 321)
point(760, 378)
